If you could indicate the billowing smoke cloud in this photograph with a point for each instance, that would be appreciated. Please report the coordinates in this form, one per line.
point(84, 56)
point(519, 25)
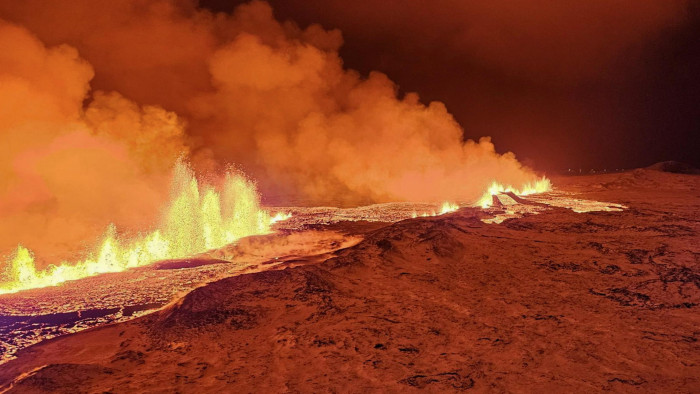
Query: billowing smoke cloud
point(276, 100)
point(241, 88)
point(334, 135)
point(566, 83)
point(67, 171)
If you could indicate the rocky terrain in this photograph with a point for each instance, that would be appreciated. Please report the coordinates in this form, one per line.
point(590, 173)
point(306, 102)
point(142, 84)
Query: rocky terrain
point(554, 301)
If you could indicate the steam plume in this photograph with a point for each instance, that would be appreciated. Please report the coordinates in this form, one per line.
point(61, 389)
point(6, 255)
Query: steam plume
point(241, 88)
point(67, 171)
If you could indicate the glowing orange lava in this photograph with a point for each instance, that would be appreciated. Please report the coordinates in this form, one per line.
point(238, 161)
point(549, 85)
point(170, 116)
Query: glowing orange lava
point(446, 207)
point(540, 186)
point(198, 218)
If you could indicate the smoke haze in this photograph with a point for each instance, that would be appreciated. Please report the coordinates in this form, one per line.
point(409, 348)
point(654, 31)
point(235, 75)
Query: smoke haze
point(68, 170)
point(564, 84)
point(100, 98)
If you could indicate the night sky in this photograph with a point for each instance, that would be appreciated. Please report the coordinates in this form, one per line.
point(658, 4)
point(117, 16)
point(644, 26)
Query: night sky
point(563, 84)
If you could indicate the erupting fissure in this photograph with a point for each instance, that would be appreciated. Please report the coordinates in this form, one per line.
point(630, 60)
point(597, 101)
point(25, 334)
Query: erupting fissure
point(540, 186)
point(446, 207)
point(198, 218)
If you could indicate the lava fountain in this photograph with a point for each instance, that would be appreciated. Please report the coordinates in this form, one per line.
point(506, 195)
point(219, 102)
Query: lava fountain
point(540, 186)
point(197, 218)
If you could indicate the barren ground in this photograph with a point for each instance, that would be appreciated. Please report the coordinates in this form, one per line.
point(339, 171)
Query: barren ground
point(554, 302)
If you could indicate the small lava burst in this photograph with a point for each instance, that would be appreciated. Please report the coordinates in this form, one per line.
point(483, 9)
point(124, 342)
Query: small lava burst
point(448, 207)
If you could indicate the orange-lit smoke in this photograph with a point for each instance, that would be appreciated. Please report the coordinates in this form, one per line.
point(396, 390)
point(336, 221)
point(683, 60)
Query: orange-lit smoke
point(275, 99)
point(67, 171)
point(243, 88)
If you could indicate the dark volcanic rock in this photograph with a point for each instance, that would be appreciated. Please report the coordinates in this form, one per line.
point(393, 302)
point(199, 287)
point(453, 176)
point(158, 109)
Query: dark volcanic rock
point(554, 302)
point(63, 378)
point(674, 167)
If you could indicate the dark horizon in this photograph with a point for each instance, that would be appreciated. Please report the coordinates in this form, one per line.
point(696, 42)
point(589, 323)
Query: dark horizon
point(631, 109)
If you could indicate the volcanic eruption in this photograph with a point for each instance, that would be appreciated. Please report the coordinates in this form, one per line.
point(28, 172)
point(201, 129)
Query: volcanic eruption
point(196, 219)
point(278, 102)
point(209, 197)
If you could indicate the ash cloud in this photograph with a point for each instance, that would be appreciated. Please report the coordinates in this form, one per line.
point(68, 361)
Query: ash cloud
point(68, 169)
point(168, 77)
point(590, 83)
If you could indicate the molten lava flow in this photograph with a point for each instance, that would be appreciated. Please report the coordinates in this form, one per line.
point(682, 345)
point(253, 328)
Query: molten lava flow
point(540, 186)
point(198, 218)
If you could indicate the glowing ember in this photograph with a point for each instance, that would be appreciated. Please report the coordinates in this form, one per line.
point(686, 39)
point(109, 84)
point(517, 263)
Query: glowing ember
point(540, 186)
point(198, 218)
